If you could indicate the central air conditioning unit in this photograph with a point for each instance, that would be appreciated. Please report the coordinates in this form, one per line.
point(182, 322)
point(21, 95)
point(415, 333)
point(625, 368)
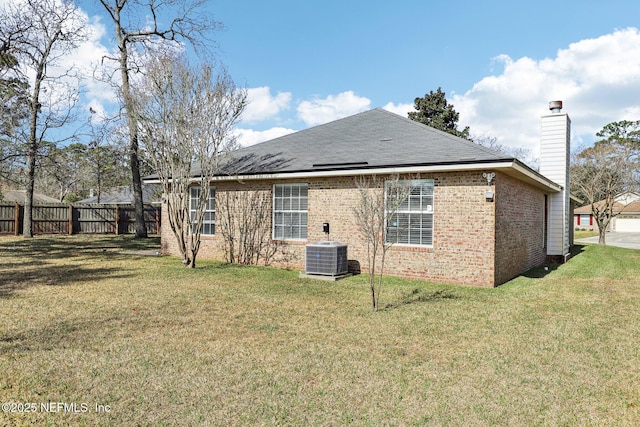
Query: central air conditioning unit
point(326, 258)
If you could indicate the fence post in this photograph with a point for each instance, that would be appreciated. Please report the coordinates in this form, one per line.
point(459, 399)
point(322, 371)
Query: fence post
point(16, 219)
point(117, 219)
point(70, 219)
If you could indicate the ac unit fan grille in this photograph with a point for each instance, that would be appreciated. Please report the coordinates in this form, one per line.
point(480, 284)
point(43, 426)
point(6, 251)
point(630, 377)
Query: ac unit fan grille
point(326, 258)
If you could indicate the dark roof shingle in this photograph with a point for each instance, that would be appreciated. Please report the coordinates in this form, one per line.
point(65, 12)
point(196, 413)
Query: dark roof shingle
point(375, 138)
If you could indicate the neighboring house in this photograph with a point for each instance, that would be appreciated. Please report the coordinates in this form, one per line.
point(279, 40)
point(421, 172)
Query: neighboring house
point(475, 216)
point(20, 196)
point(626, 210)
point(151, 194)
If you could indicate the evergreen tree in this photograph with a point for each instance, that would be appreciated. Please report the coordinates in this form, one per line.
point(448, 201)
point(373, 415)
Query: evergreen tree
point(434, 110)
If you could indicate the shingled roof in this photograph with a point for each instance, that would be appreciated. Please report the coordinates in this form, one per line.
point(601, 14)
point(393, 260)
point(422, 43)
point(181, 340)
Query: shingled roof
point(372, 139)
point(124, 195)
point(375, 141)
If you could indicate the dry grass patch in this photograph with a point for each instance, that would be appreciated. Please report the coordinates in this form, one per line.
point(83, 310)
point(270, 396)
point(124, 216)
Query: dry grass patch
point(230, 345)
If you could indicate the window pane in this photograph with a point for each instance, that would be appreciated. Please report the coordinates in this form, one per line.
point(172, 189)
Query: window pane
point(289, 211)
point(287, 232)
point(392, 235)
point(208, 220)
point(413, 222)
point(278, 218)
point(414, 203)
point(403, 206)
point(427, 188)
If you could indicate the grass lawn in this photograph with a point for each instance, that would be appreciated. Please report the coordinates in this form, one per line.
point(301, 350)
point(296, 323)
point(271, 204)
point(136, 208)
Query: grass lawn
point(581, 234)
point(85, 322)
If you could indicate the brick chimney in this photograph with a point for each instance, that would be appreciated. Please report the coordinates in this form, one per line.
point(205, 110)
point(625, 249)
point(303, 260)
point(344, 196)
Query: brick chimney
point(555, 135)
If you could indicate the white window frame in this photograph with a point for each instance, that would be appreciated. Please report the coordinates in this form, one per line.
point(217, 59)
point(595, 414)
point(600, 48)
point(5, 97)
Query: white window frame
point(417, 205)
point(209, 220)
point(289, 208)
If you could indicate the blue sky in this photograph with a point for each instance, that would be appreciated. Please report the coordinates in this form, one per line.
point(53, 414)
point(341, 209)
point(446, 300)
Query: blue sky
point(500, 62)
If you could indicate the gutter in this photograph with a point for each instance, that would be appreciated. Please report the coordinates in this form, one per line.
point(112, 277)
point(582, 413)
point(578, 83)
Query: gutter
point(511, 167)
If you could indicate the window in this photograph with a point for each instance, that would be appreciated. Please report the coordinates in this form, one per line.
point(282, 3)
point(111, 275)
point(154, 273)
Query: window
point(290, 202)
point(585, 219)
point(209, 220)
point(412, 223)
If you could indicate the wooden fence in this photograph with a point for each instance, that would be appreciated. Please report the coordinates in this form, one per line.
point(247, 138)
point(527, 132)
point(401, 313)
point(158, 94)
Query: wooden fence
point(60, 218)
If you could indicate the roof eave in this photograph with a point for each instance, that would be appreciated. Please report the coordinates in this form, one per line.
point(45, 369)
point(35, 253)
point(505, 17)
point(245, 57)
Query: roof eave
point(511, 167)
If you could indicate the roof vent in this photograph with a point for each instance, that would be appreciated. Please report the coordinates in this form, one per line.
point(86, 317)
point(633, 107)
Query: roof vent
point(555, 106)
point(344, 164)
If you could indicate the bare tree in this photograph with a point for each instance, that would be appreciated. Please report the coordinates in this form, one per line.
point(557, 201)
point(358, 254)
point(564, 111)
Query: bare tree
point(186, 116)
point(105, 163)
point(522, 154)
point(378, 202)
point(138, 27)
point(61, 170)
point(40, 34)
point(14, 95)
point(243, 219)
point(606, 170)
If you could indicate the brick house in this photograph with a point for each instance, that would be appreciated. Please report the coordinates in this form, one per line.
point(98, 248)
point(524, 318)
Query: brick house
point(475, 217)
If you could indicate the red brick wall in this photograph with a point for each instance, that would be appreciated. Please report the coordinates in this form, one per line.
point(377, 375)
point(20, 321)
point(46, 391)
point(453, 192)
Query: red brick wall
point(519, 227)
point(467, 232)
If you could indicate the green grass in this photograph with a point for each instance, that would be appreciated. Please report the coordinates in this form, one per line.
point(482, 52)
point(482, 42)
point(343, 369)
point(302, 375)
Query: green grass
point(84, 321)
point(582, 234)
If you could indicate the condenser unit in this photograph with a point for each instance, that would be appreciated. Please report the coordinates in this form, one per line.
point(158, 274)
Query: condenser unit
point(326, 258)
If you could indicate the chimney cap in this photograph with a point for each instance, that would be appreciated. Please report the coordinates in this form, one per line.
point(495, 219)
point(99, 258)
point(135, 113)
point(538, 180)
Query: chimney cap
point(555, 106)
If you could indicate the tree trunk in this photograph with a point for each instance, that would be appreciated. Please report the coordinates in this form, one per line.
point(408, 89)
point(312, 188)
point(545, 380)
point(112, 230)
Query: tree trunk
point(141, 227)
point(602, 233)
point(27, 222)
point(132, 124)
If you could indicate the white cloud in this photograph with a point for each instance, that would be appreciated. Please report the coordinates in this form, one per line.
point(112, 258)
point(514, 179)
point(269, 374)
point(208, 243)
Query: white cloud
point(400, 109)
point(331, 108)
point(247, 137)
point(597, 79)
point(71, 69)
point(262, 105)
point(88, 58)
